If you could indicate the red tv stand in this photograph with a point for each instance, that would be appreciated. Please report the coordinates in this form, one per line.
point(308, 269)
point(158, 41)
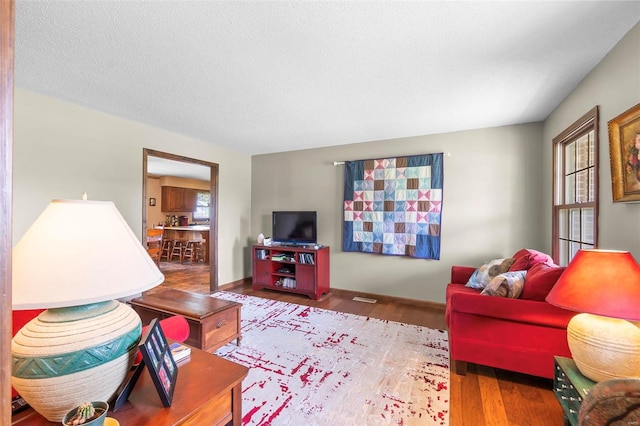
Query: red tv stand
point(300, 269)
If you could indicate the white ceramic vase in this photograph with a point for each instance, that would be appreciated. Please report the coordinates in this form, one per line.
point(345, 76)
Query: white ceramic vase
point(67, 356)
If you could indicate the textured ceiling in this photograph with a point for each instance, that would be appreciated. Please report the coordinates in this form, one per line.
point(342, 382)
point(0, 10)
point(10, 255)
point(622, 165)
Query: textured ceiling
point(266, 76)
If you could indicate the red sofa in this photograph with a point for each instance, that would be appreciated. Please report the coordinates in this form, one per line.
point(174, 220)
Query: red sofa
point(511, 334)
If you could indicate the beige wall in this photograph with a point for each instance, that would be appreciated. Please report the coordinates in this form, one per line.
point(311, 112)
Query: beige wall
point(497, 181)
point(62, 150)
point(491, 204)
point(154, 213)
point(184, 183)
point(614, 85)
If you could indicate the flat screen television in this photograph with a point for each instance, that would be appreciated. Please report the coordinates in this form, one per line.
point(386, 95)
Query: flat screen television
point(295, 228)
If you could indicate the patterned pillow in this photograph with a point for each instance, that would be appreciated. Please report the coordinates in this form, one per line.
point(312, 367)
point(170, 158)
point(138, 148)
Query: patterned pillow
point(509, 284)
point(487, 271)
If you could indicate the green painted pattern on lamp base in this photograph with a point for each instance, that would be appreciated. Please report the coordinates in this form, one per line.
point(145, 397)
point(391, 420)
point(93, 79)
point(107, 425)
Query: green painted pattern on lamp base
point(73, 362)
point(55, 365)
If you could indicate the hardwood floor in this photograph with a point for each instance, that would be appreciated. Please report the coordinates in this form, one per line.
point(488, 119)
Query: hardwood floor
point(485, 396)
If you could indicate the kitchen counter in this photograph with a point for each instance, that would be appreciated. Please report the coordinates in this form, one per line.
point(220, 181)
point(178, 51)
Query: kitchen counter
point(180, 232)
point(188, 228)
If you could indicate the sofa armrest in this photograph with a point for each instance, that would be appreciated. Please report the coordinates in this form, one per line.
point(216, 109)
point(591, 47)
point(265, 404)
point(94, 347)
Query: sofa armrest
point(468, 301)
point(461, 274)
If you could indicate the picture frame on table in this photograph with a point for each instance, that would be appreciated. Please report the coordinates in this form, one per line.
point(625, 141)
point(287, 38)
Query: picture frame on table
point(156, 355)
point(624, 151)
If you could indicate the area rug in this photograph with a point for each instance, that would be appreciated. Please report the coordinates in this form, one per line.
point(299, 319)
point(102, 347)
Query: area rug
point(311, 366)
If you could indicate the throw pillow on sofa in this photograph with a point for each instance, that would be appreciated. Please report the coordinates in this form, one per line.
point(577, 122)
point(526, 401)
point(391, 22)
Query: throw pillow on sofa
point(526, 258)
point(509, 284)
point(487, 271)
point(540, 280)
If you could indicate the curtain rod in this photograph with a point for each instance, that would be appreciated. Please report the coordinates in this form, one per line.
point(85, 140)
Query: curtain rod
point(339, 163)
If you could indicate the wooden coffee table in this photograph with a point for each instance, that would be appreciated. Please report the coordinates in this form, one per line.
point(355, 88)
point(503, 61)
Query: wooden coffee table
point(212, 322)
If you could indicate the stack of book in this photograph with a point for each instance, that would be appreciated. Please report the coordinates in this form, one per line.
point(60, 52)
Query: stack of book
point(306, 258)
point(180, 352)
point(286, 282)
point(289, 283)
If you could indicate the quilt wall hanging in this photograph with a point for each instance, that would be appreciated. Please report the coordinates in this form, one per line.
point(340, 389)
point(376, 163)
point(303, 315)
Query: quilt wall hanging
point(393, 206)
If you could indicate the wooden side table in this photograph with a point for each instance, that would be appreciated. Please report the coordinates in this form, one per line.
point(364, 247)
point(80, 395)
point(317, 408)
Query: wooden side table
point(570, 387)
point(212, 322)
point(208, 392)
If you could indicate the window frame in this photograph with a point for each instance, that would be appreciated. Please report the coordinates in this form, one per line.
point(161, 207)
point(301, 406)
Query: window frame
point(581, 127)
point(208, 210)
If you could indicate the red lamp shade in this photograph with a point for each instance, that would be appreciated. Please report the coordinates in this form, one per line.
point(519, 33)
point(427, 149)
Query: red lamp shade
point(601, 282)
point(604, 338)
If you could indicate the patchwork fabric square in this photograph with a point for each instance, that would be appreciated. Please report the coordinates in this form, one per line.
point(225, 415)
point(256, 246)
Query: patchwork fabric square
point(393, 206)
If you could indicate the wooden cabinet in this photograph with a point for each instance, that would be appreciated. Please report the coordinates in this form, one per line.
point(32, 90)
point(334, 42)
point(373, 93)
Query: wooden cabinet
point(212, 322)
point(261, 272)
point(299, 270)
point(178, 200)
point(189, 198)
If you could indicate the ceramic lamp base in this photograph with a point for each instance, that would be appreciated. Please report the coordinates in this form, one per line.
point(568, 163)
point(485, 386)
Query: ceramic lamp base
point(604, 348)
point(67, 356)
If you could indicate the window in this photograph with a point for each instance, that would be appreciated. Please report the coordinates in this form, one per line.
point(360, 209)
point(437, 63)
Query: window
point(575, 188)
point(203, 201)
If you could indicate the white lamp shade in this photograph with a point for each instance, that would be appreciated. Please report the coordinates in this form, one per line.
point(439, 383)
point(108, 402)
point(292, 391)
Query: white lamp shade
point(79, 252)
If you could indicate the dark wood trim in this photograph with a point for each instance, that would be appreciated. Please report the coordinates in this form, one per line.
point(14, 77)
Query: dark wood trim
point(389, 299)
point(350, 294)
point(236, 284)
point(7, 42)
point(581, 125)
point(577, 129)
point(213, 212)
point(213, 229)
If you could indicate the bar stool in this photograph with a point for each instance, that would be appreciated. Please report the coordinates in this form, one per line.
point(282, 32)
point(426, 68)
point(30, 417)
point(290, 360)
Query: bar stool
point(167, 247)
point(177, 250)
point(192, 251)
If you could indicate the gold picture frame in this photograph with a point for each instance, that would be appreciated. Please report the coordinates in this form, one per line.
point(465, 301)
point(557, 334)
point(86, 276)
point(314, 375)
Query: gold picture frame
point(624, 151)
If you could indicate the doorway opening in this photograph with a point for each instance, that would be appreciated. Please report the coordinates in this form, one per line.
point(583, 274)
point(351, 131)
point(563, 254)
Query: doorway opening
point(182, 167)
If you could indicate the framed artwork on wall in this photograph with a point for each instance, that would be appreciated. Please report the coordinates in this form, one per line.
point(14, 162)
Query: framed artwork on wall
point(624, 150)
point(152, 202)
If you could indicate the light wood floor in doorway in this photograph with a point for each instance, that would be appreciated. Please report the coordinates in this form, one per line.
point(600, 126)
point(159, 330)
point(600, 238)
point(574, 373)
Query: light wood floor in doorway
point(485, 396)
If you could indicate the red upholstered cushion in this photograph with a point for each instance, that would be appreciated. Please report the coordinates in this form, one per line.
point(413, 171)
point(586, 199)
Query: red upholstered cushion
point(461, 299)
point(526, 258)
point(461, 274)
point(512, 334)
point(540, 280)
point(175, 327)
point(21, 318)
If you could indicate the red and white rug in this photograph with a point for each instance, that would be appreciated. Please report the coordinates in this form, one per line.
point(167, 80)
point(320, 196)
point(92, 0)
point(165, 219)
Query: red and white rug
point(311, 366)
